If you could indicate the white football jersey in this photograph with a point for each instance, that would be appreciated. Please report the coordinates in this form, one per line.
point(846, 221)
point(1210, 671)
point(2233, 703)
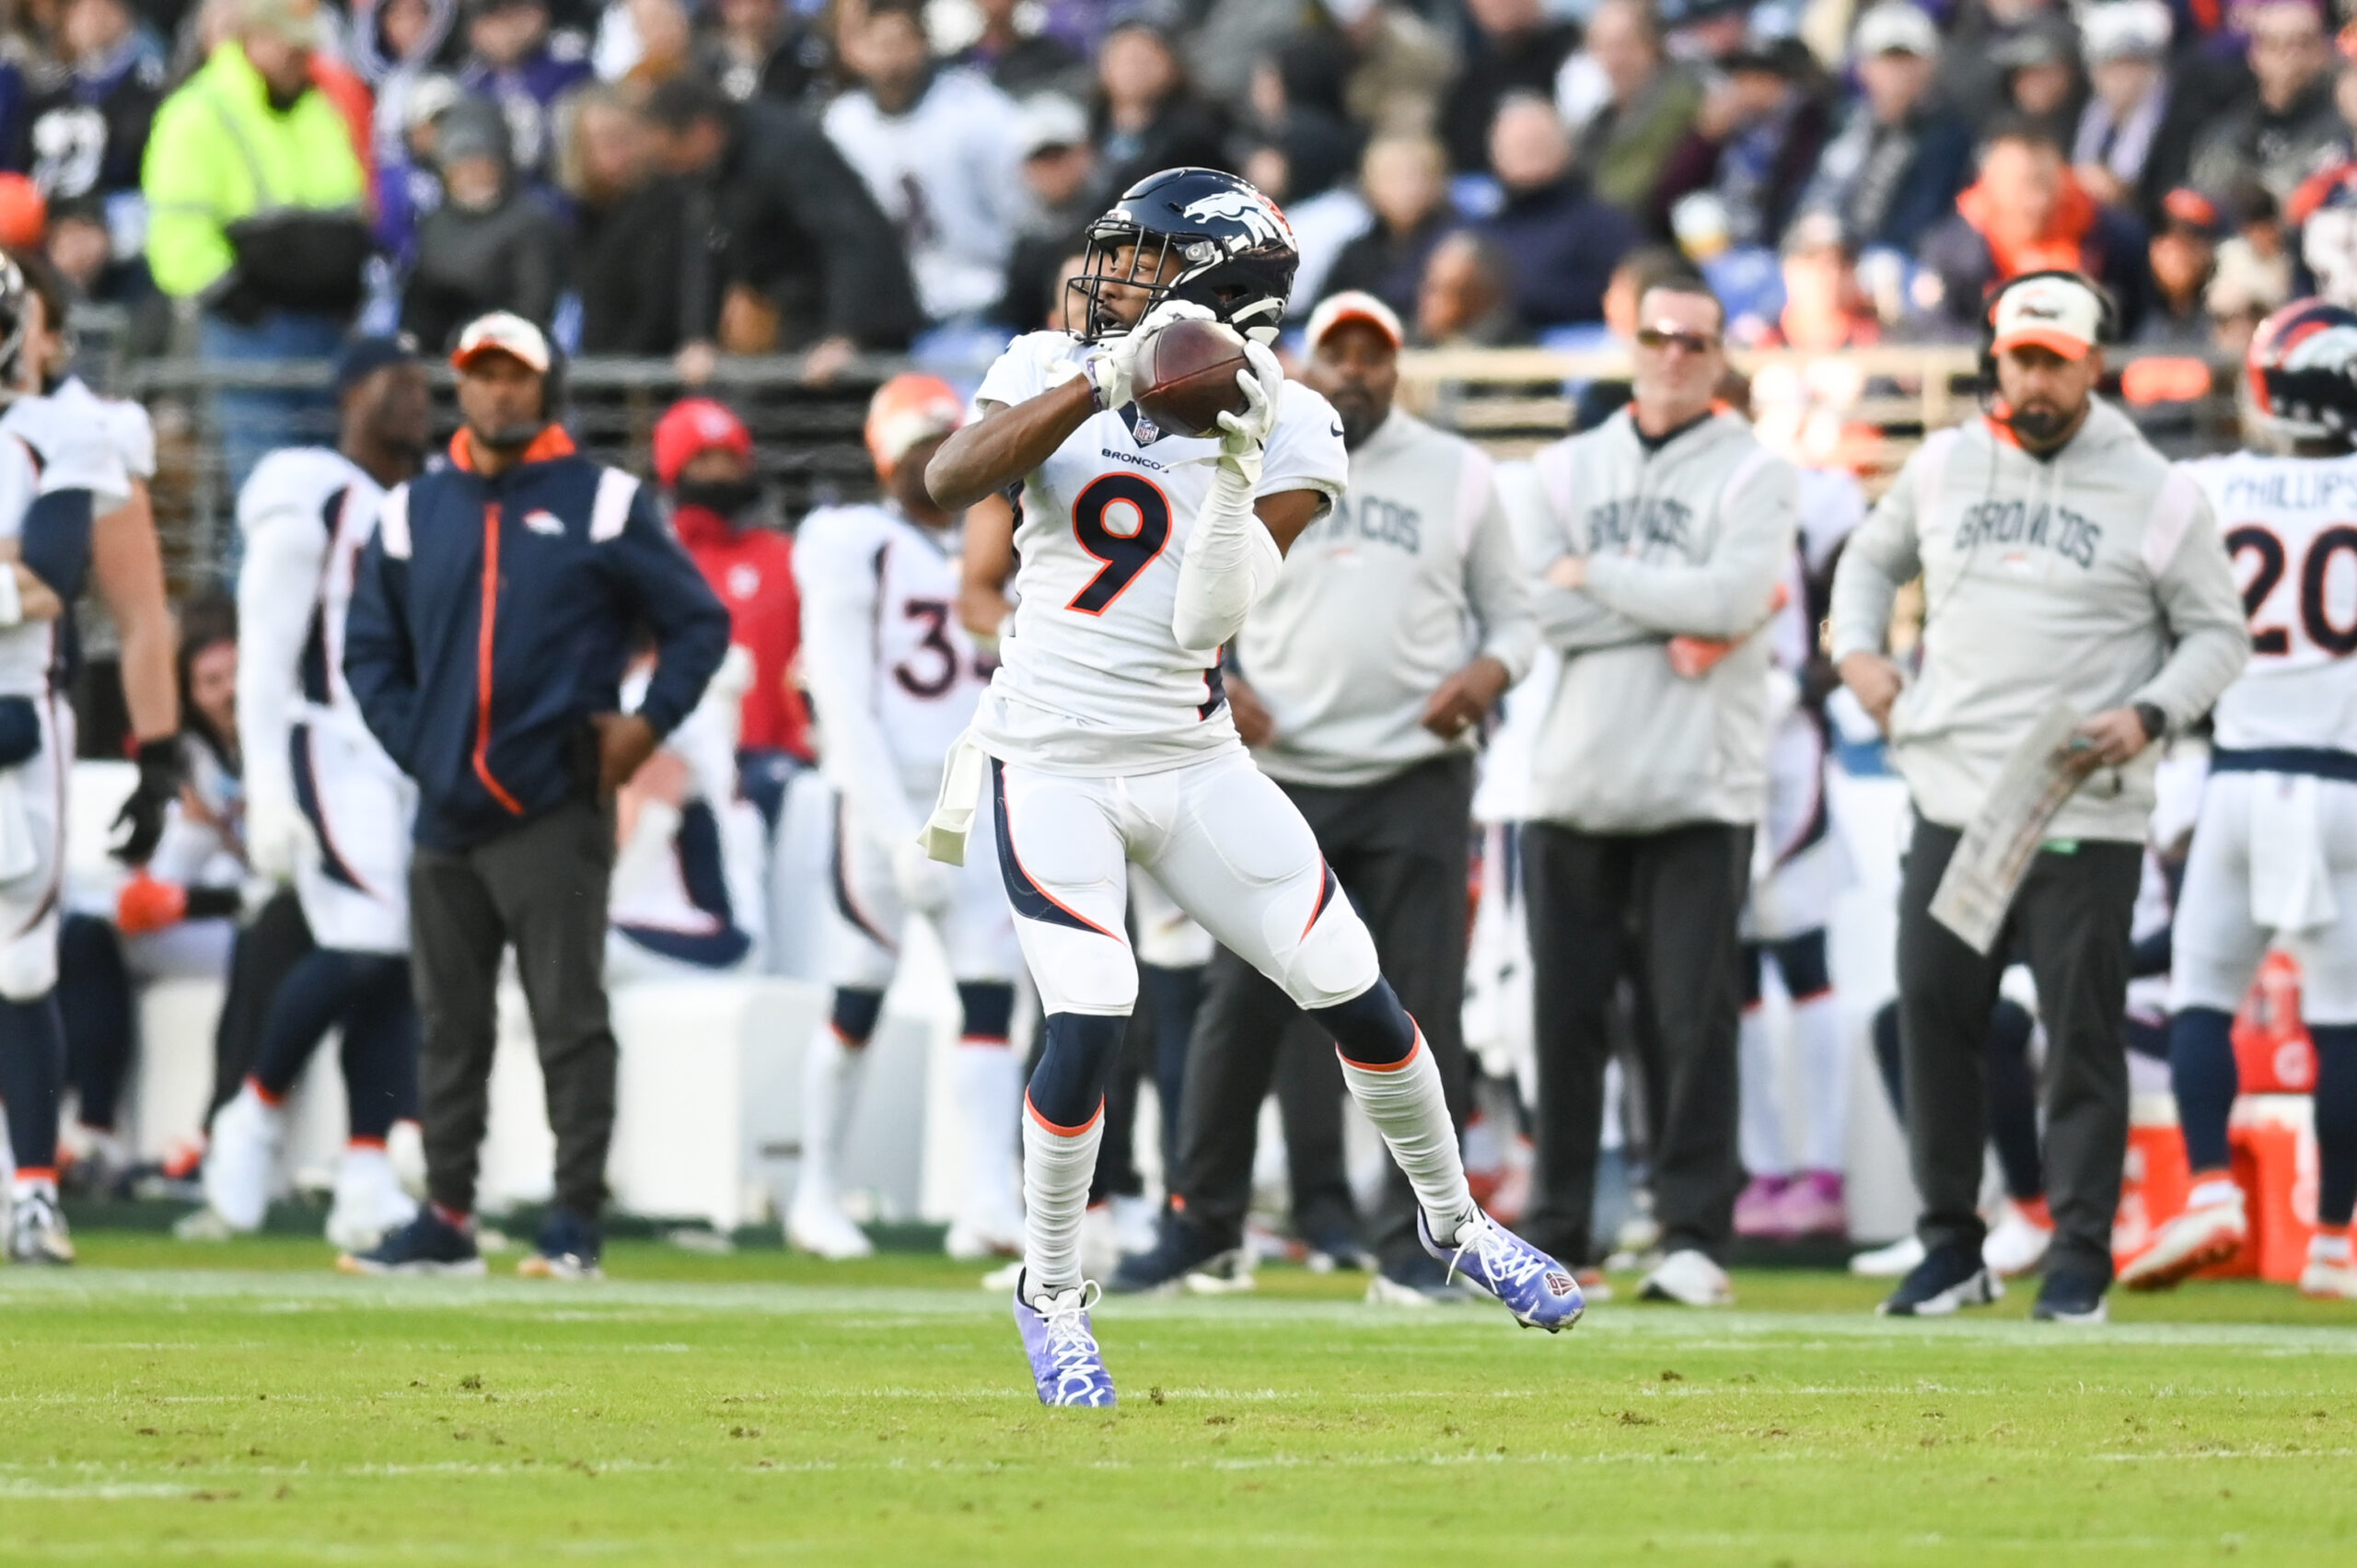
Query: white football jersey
point(307, 513)
point(894, 675)
point(50, 443)
point(125, 424)
point(1091, 679)
point(2291, 526)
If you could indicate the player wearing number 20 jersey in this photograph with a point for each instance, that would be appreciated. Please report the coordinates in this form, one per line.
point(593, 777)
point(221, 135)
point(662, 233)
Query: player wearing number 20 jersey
point(1110, 745)
point(2274, 855)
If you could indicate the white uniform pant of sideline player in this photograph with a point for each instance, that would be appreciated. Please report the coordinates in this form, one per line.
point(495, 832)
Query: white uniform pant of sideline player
point(352, 869)
point(2274, 859)
point(863, 943)
point(32, 855)
point(1220, 838)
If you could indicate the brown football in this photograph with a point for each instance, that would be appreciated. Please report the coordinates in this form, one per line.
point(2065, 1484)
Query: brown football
point(1186, 379)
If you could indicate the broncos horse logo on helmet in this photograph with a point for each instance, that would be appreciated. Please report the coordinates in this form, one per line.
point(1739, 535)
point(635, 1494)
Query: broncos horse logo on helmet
point(1235, 252)
point(2302, 372)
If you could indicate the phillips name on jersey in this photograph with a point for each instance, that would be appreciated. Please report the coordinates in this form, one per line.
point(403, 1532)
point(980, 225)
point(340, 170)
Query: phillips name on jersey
point(1091, 679)
point(2286, 522)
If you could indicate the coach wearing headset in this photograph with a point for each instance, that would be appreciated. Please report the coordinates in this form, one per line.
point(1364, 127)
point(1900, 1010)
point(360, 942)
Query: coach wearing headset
point(2064, 560)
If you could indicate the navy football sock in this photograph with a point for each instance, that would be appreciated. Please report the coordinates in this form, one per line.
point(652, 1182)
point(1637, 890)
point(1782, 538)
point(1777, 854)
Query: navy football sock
point(380, 1041)
point(2201, 1070)
point(2335, 1114)
point(94, 997)
point(32, 1068)
point(313, 997)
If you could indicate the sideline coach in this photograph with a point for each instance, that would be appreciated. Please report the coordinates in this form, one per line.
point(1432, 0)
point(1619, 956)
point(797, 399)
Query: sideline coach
point(2063, 560)
point(1398, 622)
point(1666, 527)
point(492, 616)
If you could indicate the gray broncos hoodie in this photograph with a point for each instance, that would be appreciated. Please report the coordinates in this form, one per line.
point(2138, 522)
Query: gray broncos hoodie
point(1687, 538)
point(2094, 576)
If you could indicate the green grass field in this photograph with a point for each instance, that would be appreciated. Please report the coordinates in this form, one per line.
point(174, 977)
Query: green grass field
point(242, 1404)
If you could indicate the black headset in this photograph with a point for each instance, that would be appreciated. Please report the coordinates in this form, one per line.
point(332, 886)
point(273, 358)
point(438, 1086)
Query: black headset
point(2107, 321)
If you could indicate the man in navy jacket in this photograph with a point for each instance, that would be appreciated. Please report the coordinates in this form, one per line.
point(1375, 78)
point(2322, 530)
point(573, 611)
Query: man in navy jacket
point(491, 615)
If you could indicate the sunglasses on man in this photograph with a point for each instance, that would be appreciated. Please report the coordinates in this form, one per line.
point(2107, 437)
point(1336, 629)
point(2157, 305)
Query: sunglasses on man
point(1660, 338)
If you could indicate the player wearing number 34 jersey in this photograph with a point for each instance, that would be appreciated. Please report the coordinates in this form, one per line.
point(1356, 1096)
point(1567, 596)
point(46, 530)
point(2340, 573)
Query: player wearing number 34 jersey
point(1108, 741)
point(2274, 855)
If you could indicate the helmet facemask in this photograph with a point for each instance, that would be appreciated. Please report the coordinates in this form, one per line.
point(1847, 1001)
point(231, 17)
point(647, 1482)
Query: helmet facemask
point(1238, 264)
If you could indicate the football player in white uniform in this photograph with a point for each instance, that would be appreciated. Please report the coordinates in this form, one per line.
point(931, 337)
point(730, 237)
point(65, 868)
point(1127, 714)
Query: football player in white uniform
point(1109, 740)
point(2274, 856)
point(70, 513)
point(325, 810)
point(686, 896)
point(895, 678)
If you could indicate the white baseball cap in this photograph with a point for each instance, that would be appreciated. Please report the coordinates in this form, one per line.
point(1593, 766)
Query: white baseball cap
point(2064, 314)
point(1895, 27)
point(2125, 29)
point(501, 331)
point(1354, 304)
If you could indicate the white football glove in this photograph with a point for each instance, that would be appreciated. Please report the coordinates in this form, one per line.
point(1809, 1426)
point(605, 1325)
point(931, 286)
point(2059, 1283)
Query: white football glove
point(275, 833)
point(926, 886)
point(1244, 437)
point(1112, 366)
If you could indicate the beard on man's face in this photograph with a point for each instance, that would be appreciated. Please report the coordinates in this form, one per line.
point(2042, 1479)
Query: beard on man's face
point(1359, 412)
point(2039, 421)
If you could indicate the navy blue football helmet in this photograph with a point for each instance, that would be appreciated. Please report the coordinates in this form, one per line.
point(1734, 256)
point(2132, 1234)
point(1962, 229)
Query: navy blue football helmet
point(1193, 233)
point(2302, 372)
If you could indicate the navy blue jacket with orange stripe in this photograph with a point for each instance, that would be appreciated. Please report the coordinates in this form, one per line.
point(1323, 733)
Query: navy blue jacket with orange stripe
point(491, 617)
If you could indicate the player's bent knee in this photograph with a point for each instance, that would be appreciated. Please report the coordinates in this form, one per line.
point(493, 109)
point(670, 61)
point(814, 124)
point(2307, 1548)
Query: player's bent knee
point(855, 1012)
point(1334, 962)
point(1077, 1052)
point(1371, 1030)
point(987, 1007)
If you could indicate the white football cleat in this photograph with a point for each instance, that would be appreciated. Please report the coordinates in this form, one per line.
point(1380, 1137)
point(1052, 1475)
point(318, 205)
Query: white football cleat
point(2324, 1280)
point(242, 1160)
point(1689, 1279)
point(368, 1202)
point(2017, 1244)
point(1894, 1261)
point(817, 1224)
point(2190, 1243)
point(37, 1232)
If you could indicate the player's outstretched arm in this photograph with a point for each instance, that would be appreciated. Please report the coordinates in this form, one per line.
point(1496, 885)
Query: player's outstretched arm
point(1004, 445)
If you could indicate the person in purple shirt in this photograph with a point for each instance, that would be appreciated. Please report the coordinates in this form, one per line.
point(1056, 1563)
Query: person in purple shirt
point(518, 61)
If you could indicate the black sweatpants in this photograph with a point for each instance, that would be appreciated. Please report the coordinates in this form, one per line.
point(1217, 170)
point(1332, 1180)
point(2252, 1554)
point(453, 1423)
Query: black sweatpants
point(2068, 922)
point(541, 887)
point(1400, 849)
point(1665, 904)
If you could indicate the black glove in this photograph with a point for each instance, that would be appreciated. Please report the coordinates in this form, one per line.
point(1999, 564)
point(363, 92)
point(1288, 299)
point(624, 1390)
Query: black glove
point(142, 813)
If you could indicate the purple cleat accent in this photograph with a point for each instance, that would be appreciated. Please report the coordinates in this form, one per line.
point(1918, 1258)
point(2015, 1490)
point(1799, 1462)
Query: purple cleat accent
point(1065, 1362)
point(1539, 1291)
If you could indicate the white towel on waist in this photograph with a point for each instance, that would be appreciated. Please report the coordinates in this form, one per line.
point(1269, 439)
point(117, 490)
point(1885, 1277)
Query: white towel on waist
point(2291, 887)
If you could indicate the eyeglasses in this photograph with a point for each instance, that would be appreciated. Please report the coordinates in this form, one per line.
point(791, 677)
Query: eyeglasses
point(1659, 338)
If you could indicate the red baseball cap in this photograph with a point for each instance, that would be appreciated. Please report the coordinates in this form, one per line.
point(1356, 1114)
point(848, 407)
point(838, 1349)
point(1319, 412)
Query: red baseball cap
point(690, 428)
